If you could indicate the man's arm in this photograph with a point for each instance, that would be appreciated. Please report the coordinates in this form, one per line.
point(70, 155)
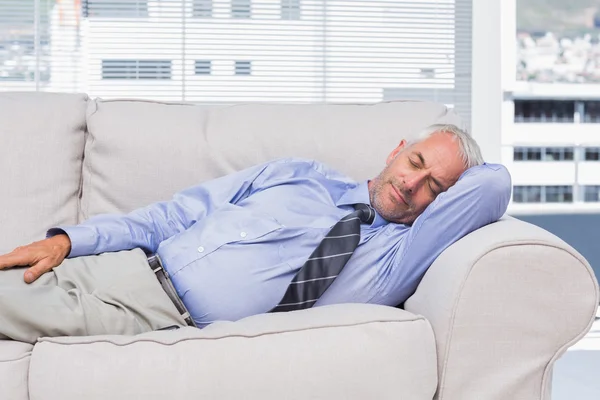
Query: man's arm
point(147, 227)
point(479, 197)
point(144, 228)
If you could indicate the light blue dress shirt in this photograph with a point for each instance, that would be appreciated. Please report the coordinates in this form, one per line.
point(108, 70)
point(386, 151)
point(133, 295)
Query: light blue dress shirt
point(232, 245)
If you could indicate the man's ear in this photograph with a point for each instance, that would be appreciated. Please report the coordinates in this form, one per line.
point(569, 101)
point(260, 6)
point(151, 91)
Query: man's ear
point(395, 152)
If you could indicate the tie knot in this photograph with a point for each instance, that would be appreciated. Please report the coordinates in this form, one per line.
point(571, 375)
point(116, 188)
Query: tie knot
point(366, 214)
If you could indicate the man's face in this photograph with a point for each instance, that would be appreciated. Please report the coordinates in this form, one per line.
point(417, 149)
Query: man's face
point(414, 176)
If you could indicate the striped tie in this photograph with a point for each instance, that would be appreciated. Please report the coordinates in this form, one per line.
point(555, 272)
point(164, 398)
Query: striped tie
point(326, 262)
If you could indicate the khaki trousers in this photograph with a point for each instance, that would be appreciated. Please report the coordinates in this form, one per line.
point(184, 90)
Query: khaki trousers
point(112, 293)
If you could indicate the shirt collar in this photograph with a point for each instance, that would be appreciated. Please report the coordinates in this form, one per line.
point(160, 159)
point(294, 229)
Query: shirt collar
point(360, 194)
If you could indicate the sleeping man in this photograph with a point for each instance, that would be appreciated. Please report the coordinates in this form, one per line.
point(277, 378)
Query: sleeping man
point(282, 236)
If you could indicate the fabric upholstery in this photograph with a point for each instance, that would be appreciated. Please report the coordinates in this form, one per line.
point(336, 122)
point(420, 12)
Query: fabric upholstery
point(351, 351)
point(14, 370)
point(139, 152)
point(498, 307)
point(42, 138)
point(505, 302)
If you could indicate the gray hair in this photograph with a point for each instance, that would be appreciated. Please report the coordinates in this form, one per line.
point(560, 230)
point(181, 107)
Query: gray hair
point(469, 149)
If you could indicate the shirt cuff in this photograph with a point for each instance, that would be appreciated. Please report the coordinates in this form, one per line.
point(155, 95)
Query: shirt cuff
point(83, 239)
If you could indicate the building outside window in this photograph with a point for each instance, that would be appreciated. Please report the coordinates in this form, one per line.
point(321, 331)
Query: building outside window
point(202, 8)
point(527, 194)
point(543, 194)
point(543, 154)
point(591, 113)
point(290, 9)
point(241, 8)
point(136, 69)
point(592, 154)
point(243, 67)
point(202, 67)
point(527, 153)
point(559, 194)
point(558, 154)
point(114, 8)
point(591, 193)
point(545, 111)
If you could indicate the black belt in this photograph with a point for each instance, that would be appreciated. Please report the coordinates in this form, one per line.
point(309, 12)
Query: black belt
point(167, 285)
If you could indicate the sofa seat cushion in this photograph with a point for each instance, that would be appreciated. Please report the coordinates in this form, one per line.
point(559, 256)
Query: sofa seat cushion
point(350, 351)
point(14, 370)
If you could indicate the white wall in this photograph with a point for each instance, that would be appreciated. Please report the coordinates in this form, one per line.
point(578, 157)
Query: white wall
point(487, 77)
point(542, 173)
point(553, 134)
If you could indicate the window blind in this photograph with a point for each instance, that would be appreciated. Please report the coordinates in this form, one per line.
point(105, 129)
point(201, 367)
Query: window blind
point(213, 51)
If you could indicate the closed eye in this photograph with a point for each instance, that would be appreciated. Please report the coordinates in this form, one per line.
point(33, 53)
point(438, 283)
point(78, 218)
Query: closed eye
point(433, 192)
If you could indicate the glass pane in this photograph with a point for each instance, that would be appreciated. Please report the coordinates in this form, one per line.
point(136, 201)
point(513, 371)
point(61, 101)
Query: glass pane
point(243, 67)
point(202, 8)
point(241, 8)
point(114, 8)
point(559, 194)
point(592, 154)
point(519, 153)
point(202, 67)
point(527, 194)
point(591, 194)
point(568, 154)
point(290, 9)
point(534, 153)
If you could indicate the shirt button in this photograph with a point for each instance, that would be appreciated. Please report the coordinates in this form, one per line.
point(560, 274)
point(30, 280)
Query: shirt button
point(243, 234)
point(200, 249)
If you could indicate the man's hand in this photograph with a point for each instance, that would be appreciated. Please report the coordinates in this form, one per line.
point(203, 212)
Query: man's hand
point(40, 256)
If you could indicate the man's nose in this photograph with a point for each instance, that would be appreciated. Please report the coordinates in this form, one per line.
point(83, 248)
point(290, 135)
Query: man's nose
point(413, 181)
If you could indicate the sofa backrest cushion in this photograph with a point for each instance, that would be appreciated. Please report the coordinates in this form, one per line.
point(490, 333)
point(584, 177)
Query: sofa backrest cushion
point(41, 151)
point(140, 152)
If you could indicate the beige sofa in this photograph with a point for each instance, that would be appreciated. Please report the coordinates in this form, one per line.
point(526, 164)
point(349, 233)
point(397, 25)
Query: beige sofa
point(488, 320)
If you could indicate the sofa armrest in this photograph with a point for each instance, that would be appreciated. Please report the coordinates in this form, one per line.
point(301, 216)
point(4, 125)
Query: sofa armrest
point(505, 302)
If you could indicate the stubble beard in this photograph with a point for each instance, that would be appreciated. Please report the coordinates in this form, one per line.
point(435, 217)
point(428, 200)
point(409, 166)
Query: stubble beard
point(388, 210)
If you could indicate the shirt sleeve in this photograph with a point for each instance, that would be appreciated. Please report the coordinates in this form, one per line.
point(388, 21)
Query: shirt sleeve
point(147, 227)
point(479, 197)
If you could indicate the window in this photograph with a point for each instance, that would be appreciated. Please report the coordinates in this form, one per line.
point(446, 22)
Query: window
point(543, 194)
point(543, 154)
point(545, 111)
point(370, 51)
point(243, 67)
point(558, 154)
point(527, 153)
point(136, 69)
point(591, 193)
point(202, 67)
point(202, 8)
point(241, 8)
point(527, 194)
point(114, 8)
point(559, 194)
point(290, 9)
point(592, 154)
point(591, 111)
